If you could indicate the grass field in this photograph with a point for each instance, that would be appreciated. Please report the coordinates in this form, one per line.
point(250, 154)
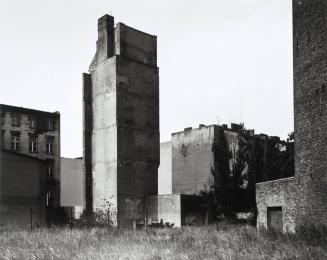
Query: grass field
point(222, 242)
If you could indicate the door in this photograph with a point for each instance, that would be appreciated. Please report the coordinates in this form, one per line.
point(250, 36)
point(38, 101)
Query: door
point(275, 218)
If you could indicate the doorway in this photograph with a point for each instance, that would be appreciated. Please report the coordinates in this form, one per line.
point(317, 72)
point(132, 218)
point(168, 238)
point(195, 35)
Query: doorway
point(275, 218)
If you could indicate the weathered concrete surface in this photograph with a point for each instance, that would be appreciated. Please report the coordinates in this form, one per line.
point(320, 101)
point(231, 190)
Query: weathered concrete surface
point(124, 96)
point(192, 159)
point(165, 169)
point(23, 189)
point(71, 182)
point(41, 131)
point(309, 188)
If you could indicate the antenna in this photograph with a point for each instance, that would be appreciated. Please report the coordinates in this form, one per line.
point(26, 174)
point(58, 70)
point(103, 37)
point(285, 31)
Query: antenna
point(217, 120)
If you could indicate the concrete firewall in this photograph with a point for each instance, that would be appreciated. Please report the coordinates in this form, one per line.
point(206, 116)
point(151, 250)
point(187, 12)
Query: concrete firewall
point(121, 121)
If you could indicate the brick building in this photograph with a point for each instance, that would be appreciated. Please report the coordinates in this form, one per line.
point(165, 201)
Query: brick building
point(121, 121)
point(287, 203)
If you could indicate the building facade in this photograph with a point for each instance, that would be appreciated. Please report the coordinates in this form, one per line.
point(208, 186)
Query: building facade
point(302, 200)
point(29, 165)
point(121, 121)
point(36, 134)
point(193, 159)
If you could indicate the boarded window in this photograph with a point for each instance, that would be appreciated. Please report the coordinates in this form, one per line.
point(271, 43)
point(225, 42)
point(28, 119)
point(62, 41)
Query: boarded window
point(275, 218)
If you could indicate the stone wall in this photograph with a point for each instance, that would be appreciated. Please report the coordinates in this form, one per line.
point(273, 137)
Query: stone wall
point(310, 108)
point(277, 193)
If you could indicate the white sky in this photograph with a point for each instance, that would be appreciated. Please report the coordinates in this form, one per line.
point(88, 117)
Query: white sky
point(210, 53)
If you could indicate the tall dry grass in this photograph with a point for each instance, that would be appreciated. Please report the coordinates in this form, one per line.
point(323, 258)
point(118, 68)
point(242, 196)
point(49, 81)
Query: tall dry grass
point(222, 242)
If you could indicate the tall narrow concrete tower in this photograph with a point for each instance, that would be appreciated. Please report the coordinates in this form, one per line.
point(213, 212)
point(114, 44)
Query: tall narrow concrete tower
point(310, 109)
point(121, 121)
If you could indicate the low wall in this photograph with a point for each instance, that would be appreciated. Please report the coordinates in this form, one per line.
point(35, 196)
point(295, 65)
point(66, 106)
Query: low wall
point(22, 215)
point(165, 207)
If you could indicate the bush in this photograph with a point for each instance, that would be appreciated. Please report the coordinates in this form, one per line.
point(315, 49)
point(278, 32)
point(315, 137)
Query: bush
point(103, 216)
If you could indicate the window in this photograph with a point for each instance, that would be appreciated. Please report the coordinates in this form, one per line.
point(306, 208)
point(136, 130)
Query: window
point(50, 172)
point(2, 136)
point(49, 143)
point(15, 120)
point(32, 122)
point(50, 125)
point(15, 139)
point(32, 143)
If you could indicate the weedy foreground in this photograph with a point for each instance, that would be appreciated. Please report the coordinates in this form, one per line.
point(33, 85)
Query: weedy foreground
point(223, 241)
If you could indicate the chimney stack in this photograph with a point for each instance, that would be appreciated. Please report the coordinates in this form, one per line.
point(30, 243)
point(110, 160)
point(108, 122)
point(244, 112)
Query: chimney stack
point(106, 38)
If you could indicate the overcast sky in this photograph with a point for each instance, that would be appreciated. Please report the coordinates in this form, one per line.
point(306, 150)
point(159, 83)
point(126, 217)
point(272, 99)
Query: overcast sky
point(211, 53)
